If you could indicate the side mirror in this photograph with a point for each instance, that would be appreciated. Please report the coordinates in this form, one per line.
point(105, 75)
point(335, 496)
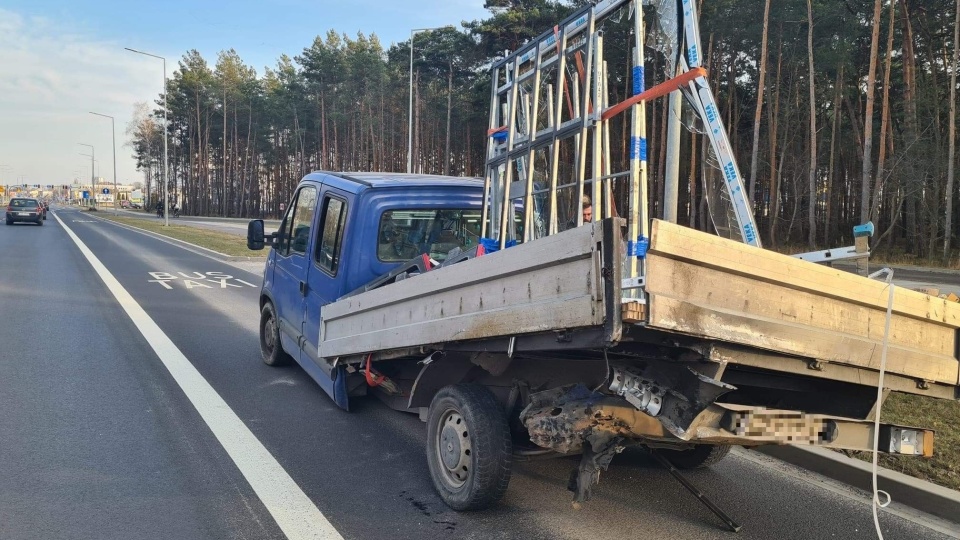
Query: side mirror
point(255, 238)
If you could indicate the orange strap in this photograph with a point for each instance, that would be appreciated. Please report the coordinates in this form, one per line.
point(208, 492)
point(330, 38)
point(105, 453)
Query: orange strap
point(373, 378)
point(659, 90)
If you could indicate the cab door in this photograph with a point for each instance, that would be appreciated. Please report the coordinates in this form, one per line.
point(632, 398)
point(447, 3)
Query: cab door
point(325, 282)
point(292, 264)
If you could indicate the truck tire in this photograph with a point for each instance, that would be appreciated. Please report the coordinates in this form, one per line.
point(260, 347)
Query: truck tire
point(701, 455)
point(469, 451)
point(270, 348)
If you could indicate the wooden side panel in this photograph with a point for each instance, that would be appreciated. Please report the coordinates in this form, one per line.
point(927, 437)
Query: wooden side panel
point(739, 294)
point(682, 243)
point(791, 338)
point(550, 284)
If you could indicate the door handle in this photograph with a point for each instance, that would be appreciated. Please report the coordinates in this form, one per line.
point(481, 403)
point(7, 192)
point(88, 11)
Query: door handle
point(303, 288)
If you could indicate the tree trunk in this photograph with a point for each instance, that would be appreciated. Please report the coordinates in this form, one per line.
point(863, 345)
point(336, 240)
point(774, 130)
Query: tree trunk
point(833, 146)
point(416, 124)
point(759, 111)
point(910, 124)
point(446, 151)
point(868, 115)
point(884, 121)
point(948, 212)
point(773, 115)
point(812, 183)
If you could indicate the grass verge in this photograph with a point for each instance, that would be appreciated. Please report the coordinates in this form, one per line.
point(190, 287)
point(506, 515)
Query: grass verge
point(939, 414)
point(228, 244)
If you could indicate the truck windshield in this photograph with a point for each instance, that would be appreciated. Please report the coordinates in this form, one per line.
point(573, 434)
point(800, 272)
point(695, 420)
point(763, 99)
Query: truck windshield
point(404, 234)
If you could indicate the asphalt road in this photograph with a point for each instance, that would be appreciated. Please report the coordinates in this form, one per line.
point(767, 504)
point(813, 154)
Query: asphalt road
point(98, 440)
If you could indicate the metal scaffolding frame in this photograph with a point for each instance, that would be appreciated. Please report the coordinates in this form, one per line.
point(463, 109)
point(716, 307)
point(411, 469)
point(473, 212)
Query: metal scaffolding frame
point(564, 71)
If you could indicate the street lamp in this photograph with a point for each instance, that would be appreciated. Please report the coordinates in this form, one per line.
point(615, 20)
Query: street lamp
point(113, 131)
point(93, 181)
point(413, 33)
point(166, 190)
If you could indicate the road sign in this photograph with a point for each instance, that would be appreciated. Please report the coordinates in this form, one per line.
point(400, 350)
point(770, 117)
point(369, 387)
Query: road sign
point(86, 195)
point(105, 191)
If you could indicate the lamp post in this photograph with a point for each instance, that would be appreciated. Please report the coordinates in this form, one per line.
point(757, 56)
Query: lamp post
point(166, 190)
point(113, 132)
point(413, 33)
point(93, 181)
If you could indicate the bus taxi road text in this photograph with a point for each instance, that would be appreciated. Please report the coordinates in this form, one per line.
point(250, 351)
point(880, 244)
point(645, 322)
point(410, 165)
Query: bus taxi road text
point(195, 280)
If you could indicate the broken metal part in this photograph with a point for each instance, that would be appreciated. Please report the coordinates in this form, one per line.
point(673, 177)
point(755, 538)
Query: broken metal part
point(683, 393)
point(564, 419)
point(641, 393)
point(597, 455)
point(727, 520)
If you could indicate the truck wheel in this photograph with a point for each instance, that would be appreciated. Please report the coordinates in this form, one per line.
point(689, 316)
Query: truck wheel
point(270, 348)
point(468, 447)
point(701, 455)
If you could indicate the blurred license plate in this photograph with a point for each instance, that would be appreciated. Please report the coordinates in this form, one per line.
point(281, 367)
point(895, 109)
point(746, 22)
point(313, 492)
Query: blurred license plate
point(24, 213)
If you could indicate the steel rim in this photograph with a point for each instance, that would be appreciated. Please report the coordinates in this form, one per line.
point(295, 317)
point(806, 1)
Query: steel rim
point(269, 333)
point(454, 449)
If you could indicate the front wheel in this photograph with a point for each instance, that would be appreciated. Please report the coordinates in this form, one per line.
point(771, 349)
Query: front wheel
point(468, 447)
point(270, 348)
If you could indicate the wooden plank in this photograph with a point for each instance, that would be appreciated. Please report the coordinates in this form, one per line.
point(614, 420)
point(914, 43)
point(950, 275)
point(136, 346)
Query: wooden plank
point(734, 293)
point(798, 339)
point(682, 243)
point(731, 354)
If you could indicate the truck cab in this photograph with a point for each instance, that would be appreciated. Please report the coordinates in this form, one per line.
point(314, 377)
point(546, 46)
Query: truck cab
point(339, 232)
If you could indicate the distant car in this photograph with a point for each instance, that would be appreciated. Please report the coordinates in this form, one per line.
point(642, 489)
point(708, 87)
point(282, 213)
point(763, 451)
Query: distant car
point(23, 209)
point(46, 208)
point(136, 206)
point(124, 204)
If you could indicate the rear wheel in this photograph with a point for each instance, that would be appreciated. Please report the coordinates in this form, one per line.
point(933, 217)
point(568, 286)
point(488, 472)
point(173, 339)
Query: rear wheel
point(270, 348)
point(468, 447)
point(40, 222)
point(701, 455)
point(9, 222)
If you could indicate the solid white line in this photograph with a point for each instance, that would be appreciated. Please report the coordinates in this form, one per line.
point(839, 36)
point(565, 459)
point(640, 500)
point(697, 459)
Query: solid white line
point(293, 511)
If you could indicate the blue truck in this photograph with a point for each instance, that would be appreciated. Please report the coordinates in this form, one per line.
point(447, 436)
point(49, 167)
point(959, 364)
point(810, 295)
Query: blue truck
point(381, 284)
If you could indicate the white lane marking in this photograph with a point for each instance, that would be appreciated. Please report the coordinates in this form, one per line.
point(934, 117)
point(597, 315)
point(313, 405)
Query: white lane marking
point(293, 511)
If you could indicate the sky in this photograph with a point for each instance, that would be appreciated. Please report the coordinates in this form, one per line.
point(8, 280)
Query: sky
point(62, 59)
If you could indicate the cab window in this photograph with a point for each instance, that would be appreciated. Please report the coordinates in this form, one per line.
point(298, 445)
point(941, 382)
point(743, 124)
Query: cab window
point(404, 234)
point(299, 222)
point(331, 236)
